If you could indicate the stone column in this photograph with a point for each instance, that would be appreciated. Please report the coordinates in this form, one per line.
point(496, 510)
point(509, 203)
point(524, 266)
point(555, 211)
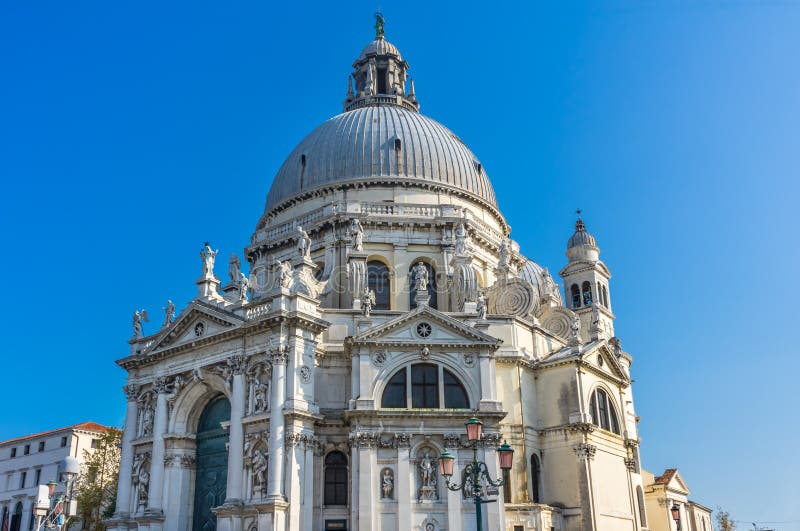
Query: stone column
point(403, 483)
point(126, 459)
point(233, 496)
point(455, 514)
point(366, 471)
point(495, 512)
point(276, 424)
point(295, 475)
point(308, 485)
point(156, 488)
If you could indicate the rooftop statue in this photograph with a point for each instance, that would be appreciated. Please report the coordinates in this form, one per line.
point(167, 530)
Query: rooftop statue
point(208, 256)
point(303, 243)
point(138, 317)
point(169, 314)
point(234, 267)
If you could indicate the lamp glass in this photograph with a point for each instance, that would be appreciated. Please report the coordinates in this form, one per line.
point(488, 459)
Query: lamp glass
point(474, 429)
point(51, 487)
point(506, 455)
point(676, 513)
point(446, 461)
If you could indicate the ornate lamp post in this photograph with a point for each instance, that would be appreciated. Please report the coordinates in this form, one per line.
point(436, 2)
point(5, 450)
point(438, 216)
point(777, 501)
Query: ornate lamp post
point(474, 471)
point(676, 515)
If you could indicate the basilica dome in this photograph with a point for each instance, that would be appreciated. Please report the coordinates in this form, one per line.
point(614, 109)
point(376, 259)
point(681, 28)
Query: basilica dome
point(378, 144)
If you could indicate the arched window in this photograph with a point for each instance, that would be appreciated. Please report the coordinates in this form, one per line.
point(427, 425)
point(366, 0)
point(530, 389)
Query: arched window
point(576, 296)
point(431, 285)
point(535, 478)
point(335, 479)
point(603, 413)
point(427, 385)
point(587, 293)
point(395, 393)
point(378, 281)
point(455, 396)
point(605, 296)
point(640, 500)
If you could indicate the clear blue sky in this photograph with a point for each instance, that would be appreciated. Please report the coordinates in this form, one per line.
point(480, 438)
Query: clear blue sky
point(132, 132)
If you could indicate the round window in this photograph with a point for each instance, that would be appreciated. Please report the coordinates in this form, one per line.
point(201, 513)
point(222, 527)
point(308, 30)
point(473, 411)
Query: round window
point(424, 329)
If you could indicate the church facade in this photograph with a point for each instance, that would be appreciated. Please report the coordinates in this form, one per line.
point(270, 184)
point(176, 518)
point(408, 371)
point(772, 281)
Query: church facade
point(385, 305)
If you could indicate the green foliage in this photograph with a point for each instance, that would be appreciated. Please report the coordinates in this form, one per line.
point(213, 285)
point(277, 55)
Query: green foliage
point(724, 521)
point(96, 485)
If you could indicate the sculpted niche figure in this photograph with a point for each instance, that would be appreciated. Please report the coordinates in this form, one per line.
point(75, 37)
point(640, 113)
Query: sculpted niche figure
point(387, 484)
point(208, 256)
point(461, 240)
point(367, 301)
point(420, 277)
point(260, 465)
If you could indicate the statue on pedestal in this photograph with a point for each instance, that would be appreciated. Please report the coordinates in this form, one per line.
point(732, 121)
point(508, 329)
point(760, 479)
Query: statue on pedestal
point(234, 267)
point(138, 317)
point(504, 254)
point(169, 314)
point(208, 256)
point(480, 307)
point(303, 243)
point(461, 240)
point(357, 233)
point(367, 301)
point(244, 284)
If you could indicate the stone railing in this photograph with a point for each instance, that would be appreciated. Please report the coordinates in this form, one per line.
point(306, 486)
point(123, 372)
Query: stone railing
point(395, 209)
point(257, 311)
point(284, 230)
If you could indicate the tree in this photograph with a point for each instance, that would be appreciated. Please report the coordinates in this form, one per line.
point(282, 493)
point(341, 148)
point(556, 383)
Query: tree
point(96, 485)
point(724, 522)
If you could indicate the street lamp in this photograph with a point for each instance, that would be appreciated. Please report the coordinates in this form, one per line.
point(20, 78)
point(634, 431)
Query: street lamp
point(676, 515)
point(70, 468)
point(471, 480)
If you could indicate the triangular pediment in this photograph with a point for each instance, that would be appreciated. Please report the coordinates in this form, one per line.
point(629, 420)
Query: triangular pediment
point(429, 326)
point(610, 363)
point(196, 322)
point(677, 484)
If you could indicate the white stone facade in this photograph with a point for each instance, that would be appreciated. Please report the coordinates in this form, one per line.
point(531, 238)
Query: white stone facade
point(33, 460)
point(385, 304)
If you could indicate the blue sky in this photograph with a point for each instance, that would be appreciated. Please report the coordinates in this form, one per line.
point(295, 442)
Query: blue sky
point(131, 133)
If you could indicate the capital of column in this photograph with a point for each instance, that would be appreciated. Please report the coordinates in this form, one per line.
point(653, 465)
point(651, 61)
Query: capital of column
point(131, 392)
point(161, 385)
point(279, 355)
point(237, 363)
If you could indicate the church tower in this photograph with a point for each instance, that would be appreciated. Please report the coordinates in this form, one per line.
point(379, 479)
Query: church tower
point(586, 284)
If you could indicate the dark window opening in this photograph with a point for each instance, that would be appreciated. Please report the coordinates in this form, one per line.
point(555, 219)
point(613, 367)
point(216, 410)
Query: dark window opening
point(37, 478)
point(382, 80)
point(395, 393)
point(378, 281)
point(576, 296)
point(302, 171)
point(22, 477)
point(424, 386)
point(13, 452)
point(587, 294)
point(335, 479)
point(535, 478)
point(27, 449)
point(63, 441)
point(455, 396)
point(603, 413)
point(41, 446)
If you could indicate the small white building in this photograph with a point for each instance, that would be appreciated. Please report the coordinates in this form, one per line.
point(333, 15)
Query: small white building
point(667, 492)
point(26, 462)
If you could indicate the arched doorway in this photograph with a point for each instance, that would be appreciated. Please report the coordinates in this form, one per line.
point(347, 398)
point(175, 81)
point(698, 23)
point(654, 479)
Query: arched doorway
point(16, 517)
point(212, 464)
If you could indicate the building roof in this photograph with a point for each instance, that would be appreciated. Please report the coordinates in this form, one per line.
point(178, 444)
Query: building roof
point(380, 144)
point(581, 236)
point(84, 426)
point(380, 46)
point(666, 477)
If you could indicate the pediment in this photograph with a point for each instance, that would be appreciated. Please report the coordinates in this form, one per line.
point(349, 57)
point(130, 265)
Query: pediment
point(610, 364)
point(676, 483)
point(425, 325)
point(196, 322)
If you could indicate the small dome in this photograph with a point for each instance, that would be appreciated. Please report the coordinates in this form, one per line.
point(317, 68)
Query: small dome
point(380, 47)
point(539, 278)
point(581, 236)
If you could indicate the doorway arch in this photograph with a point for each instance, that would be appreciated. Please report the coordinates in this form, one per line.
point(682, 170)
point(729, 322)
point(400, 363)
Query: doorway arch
point(212, 463)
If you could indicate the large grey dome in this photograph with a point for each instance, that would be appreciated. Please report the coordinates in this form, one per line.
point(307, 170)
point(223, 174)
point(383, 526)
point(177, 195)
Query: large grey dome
point(380, 144)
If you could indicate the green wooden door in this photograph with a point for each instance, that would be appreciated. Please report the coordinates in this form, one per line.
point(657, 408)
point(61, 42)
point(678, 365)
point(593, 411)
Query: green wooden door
point(212, 464)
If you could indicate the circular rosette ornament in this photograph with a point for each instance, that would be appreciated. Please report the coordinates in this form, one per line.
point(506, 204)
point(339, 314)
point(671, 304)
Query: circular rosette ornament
point(513, 297)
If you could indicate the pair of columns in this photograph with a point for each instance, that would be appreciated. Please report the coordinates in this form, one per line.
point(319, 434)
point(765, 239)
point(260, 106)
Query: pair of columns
point(234, 494)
